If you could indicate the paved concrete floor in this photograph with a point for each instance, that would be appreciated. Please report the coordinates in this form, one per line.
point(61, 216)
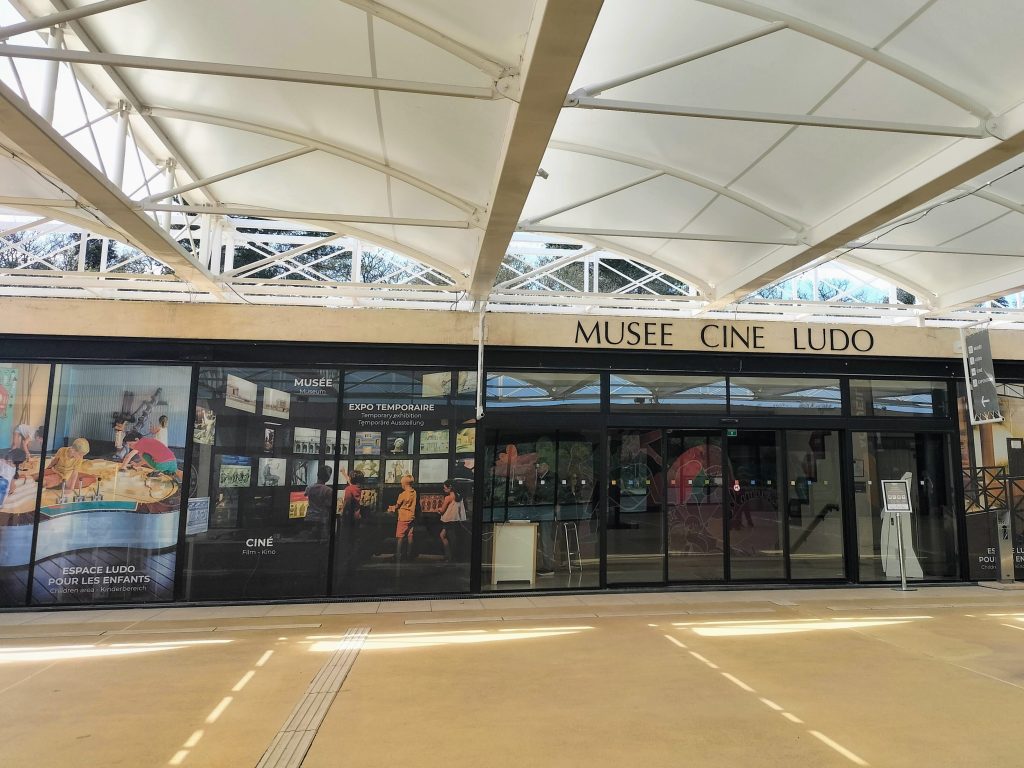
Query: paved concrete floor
point(761, 678)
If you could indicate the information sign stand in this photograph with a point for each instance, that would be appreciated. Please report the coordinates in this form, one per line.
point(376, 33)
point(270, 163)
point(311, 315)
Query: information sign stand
point(896, 498)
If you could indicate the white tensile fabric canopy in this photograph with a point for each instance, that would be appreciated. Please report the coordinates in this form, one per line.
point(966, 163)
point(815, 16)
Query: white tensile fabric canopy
point(727, 144)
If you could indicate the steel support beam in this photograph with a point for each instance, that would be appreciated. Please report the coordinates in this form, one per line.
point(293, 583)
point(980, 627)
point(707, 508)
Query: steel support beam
point(51, 152)
point(656, 235)
point(51, 74)
point(591, 199)
point(816, 121)
point(908, 190)
point(275, 213)
point(556, 44)
point(34, 25)
point(37, 202)
point(121, 144)
point(993, 197)
point(490, 67)
point(598, 88)
point(356, 270)
point(171, 192)
point(92, 122)
point(246, 71)
point(868, 246)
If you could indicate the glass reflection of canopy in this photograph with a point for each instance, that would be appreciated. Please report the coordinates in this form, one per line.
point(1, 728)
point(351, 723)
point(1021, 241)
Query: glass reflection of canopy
point(801, 397)
point(668, 390)
point(553, 389)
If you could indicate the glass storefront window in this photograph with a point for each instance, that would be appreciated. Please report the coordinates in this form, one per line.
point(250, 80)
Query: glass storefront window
point(405, 509)
point(992, 460)
point(884, 397)
point(783, 396)
point(544, 390)
point(696, 530)
point(263, 494)
point(636, 512)
point(756, 527)
point(108, 519)
point(540, 510)
point(814, 504)
point(23, 395)
point(929, 530)
point(359, 482)
point(636, 392)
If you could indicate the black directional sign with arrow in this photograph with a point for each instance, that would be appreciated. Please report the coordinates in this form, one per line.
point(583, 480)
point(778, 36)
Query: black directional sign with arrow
point(980, 372)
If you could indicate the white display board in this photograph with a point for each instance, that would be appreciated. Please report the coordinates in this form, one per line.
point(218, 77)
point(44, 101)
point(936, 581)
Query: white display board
point(514, 552)
point(897, 509)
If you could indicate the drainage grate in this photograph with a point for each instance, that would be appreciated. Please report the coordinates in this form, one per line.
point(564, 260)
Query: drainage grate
point(289, 747)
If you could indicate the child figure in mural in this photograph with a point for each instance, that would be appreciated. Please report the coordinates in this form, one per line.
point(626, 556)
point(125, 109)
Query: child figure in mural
point(349, 543)
point(453, 516)
point(9, 464)
point(64, 468)
point(405, 508)
point(159, 430)
point(152, 453)
point(22, 438)
point(320, 495)
point(120, 430)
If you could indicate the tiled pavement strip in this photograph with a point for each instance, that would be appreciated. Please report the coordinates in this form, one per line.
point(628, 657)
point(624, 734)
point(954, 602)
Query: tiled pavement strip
point(289, 746)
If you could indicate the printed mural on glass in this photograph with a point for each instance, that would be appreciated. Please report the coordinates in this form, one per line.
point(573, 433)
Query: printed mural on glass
point(111, 497)
point(23, 396)
point(992, 459)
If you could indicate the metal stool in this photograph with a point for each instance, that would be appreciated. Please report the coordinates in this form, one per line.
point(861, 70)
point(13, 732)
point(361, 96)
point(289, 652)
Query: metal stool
point(572, 543)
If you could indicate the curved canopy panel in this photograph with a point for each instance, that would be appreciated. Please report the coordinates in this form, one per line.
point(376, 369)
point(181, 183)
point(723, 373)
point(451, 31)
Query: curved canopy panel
point(743, 142)
point(390, 118)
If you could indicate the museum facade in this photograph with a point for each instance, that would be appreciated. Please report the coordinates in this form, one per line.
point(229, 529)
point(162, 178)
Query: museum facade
point(297, 453)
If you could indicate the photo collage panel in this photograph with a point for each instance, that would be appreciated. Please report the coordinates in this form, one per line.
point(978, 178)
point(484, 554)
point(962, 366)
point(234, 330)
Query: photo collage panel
point(269, 437)
point(405, 510)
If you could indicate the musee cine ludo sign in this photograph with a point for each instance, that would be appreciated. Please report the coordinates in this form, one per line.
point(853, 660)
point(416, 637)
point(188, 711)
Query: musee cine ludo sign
point(732, 337)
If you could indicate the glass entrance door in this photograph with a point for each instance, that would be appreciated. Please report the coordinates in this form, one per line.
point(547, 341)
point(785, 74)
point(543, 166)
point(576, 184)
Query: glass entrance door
point(814, 504)
point(756, 531)
point(928, 530)
point(635, 528)
point(696, 528)
point(693, 506)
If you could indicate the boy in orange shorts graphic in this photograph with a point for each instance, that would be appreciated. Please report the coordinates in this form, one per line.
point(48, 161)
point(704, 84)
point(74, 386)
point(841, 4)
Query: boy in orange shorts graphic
point(405, 507)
